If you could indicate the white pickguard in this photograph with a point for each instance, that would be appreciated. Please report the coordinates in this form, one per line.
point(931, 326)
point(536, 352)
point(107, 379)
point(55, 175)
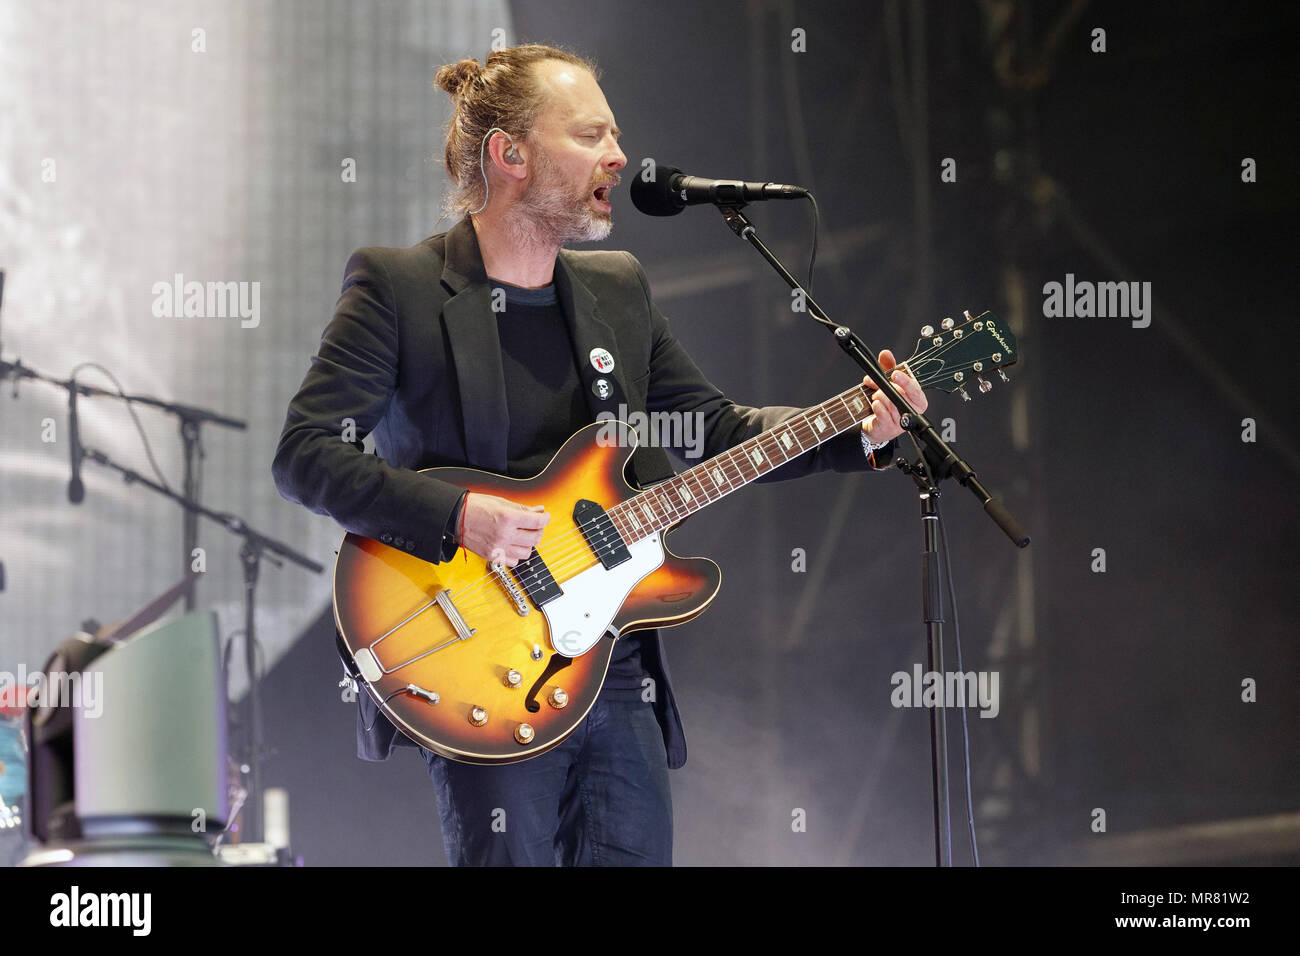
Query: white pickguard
point(581, 615)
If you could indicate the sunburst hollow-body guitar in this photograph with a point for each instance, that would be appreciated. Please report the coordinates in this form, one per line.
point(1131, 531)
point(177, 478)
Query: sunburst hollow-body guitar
point(488, 664)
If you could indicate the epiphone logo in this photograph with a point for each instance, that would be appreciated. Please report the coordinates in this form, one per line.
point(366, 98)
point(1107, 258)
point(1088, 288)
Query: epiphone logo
point(993, 331)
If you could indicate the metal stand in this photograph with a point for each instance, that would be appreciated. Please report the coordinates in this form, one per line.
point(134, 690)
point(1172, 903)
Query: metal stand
point(943, 462)
point(191, 420)
point(191, 482)
point(250, 555)
point(932, 615)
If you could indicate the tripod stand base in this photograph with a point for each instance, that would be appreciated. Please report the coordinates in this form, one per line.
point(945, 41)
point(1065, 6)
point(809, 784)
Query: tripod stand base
point(124, 851)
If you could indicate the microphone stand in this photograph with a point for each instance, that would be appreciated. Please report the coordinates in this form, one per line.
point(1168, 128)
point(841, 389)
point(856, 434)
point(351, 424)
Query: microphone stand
point(940, 462)
point(191, 419)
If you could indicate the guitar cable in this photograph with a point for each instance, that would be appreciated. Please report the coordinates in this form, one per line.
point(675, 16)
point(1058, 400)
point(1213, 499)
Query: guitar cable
point(956, 627)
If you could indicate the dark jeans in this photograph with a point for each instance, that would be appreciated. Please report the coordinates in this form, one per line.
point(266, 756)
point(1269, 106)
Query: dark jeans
point(601, 798)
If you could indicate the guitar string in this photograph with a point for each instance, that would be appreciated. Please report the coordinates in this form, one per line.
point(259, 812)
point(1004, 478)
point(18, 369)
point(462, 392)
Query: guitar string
point(563, 563)
point(531, 577)
point(554, 563)
point(671, 514)
point(560, 562)
point(557, 562)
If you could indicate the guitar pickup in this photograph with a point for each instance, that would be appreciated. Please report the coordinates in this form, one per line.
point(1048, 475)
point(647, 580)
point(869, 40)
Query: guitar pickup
point(603, 538)
point(535, 578)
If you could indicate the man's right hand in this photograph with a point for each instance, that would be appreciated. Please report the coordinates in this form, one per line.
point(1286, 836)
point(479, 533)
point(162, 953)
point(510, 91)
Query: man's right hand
point(500, 529)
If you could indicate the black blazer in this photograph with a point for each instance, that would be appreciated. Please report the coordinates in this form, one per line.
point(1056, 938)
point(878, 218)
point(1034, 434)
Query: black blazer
point(412, 356)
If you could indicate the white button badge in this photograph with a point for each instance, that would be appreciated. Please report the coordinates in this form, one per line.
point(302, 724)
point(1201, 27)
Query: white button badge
point(601, 360)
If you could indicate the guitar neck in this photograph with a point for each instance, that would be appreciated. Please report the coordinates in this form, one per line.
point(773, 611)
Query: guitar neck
point(684, 494)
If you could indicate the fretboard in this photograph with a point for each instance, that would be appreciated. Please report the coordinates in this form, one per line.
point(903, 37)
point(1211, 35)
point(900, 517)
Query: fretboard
point(672, 500)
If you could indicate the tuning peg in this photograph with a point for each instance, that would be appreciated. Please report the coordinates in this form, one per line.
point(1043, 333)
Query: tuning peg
point(964, 396)
point(985, 386)
point(927, 331)
point(1003, 375)
point(966, 312)
point(947, 324)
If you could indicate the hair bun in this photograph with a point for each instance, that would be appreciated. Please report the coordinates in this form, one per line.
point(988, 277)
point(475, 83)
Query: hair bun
point(454, 77)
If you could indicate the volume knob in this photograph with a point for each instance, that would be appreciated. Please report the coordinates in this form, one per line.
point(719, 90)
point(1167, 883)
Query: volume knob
point(513, 678)
point(558, 698)
point(478, 716)
point(524, 733)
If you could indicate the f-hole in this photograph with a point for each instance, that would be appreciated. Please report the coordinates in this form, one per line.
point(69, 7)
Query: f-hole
point(557, 663)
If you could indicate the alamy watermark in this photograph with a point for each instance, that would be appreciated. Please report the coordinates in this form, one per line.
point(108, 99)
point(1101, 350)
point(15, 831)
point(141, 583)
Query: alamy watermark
point(179, 299)
point(83, 690)
point(957, 689)
point(126, 910)
point(683, 430)
point(1103, 300)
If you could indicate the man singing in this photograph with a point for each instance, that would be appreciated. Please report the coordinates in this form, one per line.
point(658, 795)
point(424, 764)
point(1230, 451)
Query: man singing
point(421, 354)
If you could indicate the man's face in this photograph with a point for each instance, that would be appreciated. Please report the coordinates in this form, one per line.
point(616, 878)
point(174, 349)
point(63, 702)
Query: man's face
point(574, 157)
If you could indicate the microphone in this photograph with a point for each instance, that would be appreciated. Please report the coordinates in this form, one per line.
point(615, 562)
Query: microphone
point(76, 490)
point(672, 191)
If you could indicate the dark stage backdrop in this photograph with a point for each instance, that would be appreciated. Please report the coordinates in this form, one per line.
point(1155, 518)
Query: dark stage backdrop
point(965, 156)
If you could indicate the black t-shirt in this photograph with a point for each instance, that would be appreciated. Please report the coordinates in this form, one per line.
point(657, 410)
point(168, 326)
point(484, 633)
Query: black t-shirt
point(545, 402)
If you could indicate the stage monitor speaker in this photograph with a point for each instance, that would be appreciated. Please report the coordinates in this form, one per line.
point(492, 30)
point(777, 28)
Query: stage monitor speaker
point(140, 749)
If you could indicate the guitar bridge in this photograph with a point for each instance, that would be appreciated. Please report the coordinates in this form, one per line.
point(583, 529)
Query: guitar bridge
point(521, 606)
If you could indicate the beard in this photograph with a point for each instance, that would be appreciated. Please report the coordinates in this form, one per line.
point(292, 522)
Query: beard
point(552, 212)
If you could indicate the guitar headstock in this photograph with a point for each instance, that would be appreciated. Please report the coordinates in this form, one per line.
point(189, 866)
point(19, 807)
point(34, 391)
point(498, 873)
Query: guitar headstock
point(960, 354)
